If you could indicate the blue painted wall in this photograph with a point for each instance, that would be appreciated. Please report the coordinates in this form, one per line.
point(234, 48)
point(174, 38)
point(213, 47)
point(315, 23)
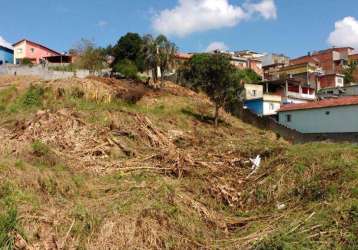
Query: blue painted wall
point(6, 55)
point(256, 106)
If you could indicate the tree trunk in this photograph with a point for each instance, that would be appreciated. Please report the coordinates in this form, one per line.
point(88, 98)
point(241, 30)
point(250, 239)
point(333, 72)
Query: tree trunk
point(154, 75)
point(217, 109)
point(161, 77)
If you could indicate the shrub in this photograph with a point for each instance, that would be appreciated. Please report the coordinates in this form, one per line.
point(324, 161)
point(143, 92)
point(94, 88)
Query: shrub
point(26, 61)
point(33, 97)
point(127, 68)
point(8, 224)
point(40, 149)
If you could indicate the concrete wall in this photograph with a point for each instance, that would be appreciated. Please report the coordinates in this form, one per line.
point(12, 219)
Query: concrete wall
point(325, 120)
point(256, 106)
point(345, 91)
point(253, 91)
point(43, 73)
point(271, 107)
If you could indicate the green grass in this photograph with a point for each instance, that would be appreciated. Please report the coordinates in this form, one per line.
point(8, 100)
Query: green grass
point(8, 226)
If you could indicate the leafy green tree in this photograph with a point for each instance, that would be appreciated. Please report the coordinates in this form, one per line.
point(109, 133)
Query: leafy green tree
point(249, 76)
point(216, 76)
point(129, 47)
point(166, 55)
point(127, 68)
point(151, 58)
point(349, 72)
point(159, 54)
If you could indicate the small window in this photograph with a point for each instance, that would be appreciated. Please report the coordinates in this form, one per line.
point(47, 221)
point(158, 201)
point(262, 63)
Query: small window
point(328, 112)
point(288, 118)
point(253, 92)
point(32, 50)
point(272, 106)
point(19, 50)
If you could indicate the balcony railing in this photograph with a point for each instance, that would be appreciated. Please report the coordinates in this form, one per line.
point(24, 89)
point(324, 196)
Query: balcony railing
point(301, 96)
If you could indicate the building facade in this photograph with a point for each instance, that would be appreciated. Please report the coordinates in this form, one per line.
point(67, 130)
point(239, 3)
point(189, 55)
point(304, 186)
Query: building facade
point(332, 63)
point(267, 105)
point(6, 55)
point(33, 51)
point(330, 116)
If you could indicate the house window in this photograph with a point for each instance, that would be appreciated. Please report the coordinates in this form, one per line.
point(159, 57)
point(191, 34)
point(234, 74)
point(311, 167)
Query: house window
point(339, 81)
point(32, 50)
point(19, 50)
point(328, 112)
point(288, 118)
point(253, 92)
point(272, 106)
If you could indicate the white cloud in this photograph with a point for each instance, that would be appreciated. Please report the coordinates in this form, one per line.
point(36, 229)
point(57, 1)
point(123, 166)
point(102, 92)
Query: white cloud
point(102, 23)
point(5, 43)
point(191, 16)
point(265, 8)
point(345, 33)
point(216, 46)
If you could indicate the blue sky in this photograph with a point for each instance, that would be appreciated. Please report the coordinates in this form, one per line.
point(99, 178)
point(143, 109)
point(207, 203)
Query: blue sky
point(293, 27)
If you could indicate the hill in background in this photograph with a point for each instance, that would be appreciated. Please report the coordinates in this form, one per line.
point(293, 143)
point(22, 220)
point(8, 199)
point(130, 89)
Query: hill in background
point(107, 164)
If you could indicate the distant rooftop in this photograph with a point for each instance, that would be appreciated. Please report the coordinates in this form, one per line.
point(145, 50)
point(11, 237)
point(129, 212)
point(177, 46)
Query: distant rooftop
point(5, 44)
point(333, 102)
point(37, 44)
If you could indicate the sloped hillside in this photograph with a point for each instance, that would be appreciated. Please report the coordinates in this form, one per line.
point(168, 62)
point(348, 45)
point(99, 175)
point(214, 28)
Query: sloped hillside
point(107, 164)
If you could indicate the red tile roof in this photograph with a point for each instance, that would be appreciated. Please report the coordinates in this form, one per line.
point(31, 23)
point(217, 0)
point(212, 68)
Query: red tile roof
point(333, 102)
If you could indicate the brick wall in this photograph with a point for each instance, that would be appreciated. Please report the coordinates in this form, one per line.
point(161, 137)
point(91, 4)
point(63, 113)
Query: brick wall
point(323, 59)
point(327, 81)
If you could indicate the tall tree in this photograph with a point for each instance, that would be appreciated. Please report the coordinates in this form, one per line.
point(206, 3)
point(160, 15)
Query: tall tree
point(166, 55)
point(216, 76)
point(159, 54)
point(151, 57)
point(129, 47)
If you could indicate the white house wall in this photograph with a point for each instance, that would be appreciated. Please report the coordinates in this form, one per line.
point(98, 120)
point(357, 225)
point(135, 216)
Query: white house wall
point(342, 119)
point(271, 108)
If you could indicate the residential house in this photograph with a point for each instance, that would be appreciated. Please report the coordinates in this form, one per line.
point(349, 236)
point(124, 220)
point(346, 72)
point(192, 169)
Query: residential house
point(284, 84)
point(35, 52)
point(329, 116)
point(271, 63)
point(245, 62)
point(332, 62)
point(267, 97)
point(254, 60)
point(6, 54)
point(267, 105)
